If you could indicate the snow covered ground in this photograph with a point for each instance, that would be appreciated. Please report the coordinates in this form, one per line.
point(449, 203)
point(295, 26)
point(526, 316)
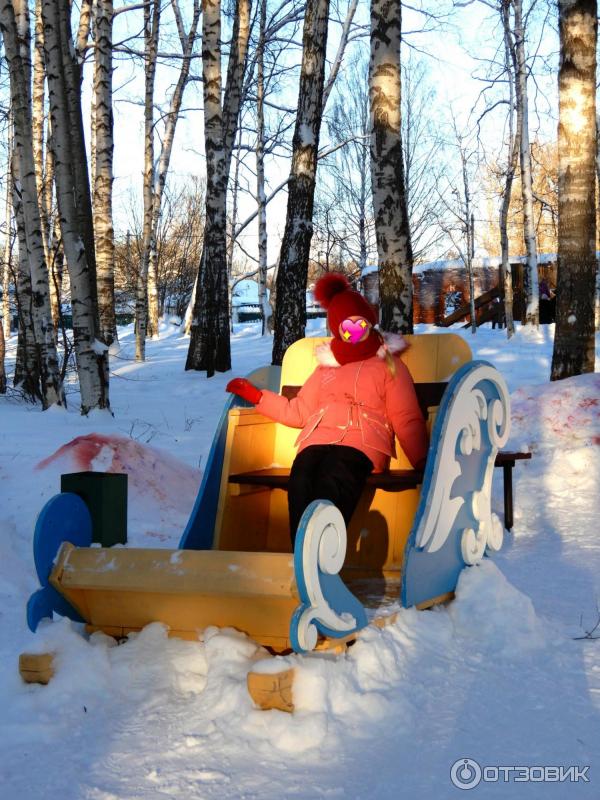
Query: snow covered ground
point(499, 676)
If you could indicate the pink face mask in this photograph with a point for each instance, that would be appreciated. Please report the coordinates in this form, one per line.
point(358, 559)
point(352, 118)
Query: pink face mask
point(354, 330)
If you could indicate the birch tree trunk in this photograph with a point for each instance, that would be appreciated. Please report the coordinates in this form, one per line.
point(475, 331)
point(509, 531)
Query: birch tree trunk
point(103, 170)
point(56, 254)
point(14, 22)
point(469, 240)
point(5, 327)
point(577, 266)
point(39, 115)
point(2, 356)
point(290, 309)
point(209, 343)
point(74, 202)
point(387, 169)
point(210, 347)
point(187, 47)
point(261, 198)
point(6, 264)
point(520, 67)
point(27, 366)
point(151, 33)
point(513, 155)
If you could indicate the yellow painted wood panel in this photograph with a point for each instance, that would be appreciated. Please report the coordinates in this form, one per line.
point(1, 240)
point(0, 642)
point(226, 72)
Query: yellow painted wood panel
point(257, 616)
point(241, 522)
point(174, 571)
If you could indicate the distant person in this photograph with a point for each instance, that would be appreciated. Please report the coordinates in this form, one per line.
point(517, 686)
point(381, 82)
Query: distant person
point(547, 303)
point(546, 292)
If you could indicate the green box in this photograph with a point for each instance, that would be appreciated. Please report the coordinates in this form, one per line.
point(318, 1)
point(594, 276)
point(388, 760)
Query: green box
point(105, 494)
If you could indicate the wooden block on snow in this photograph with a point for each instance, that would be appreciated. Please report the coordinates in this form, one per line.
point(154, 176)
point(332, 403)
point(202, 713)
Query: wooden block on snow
point(36, 667)
point(272, 690)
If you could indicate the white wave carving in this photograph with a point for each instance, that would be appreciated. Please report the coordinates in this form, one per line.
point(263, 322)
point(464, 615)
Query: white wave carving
point(324, 549)
point(469, 409)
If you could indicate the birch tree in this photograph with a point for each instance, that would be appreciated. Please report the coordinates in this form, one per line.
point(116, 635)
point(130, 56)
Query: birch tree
point(387, 168)
point(14, 23)
point(210, 347)
point(27, 364)
point(74, 201)
point(151, 34)
point(292, 272)
point(2, 356)
point(574, 338)
point(7, 255)
point(5, 327)
point(522, 103)
point(44, 191)
point(102, 169)
point(513, 147)
point(261, 198)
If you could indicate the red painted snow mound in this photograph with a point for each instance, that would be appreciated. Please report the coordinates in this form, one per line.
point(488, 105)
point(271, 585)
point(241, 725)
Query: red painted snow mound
point(161, 489)
point(559, 414)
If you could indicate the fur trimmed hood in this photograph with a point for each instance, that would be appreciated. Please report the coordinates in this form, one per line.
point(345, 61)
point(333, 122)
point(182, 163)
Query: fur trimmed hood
point(393, 343)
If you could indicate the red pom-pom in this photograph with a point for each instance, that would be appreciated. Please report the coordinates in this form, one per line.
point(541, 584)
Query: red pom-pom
point(328, 286)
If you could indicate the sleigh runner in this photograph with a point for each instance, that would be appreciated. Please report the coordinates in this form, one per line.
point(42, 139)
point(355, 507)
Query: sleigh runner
point(411, 535)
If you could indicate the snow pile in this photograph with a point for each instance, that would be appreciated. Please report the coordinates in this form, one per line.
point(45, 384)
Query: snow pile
point(497, 675)
point(331, 693)
point(161, 490)
point(563, 414)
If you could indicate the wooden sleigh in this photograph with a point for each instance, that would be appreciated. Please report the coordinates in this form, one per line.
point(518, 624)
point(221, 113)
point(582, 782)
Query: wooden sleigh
point(410, 537)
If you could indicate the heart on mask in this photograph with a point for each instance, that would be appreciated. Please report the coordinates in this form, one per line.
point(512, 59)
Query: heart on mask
point(354, 330)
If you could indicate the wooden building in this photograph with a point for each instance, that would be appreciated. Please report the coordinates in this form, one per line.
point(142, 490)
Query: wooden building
point(440, 287)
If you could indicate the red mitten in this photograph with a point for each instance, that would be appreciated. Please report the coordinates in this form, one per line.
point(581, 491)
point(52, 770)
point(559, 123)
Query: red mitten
point(244, 389)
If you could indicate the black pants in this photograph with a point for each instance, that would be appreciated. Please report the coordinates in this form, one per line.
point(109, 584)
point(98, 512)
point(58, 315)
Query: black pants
point(328, 472)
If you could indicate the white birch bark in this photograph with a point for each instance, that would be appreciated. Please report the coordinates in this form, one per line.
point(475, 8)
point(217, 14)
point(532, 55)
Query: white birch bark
point(74, 202)
point(213, 267)
point(39, 115)
point(574, 338)
point(83, 30)
point(2, 356)
point(210, 347)
point(102, 169)
point(189, 312)
point(14, 22)
point(151, 34)
point(513, 156)
point(261, 198)
point(5, 327)
point(532, 284)
point(290, 309)
point(27, 366)
point(387, 169)
point(6, 261)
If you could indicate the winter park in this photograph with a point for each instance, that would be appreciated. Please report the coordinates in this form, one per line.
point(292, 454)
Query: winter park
point(299, 400)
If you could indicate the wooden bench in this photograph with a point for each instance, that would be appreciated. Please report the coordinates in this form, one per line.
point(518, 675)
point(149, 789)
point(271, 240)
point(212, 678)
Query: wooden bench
point(397, 480)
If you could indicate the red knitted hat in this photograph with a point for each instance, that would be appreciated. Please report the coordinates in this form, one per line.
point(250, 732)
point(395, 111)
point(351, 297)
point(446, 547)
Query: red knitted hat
point(333, 293)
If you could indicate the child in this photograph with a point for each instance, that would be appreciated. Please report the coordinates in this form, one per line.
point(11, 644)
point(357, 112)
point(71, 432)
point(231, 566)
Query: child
point(349, 409)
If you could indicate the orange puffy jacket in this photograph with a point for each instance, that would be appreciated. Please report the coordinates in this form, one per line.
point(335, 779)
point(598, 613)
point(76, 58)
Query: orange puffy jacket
point(359, 405)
